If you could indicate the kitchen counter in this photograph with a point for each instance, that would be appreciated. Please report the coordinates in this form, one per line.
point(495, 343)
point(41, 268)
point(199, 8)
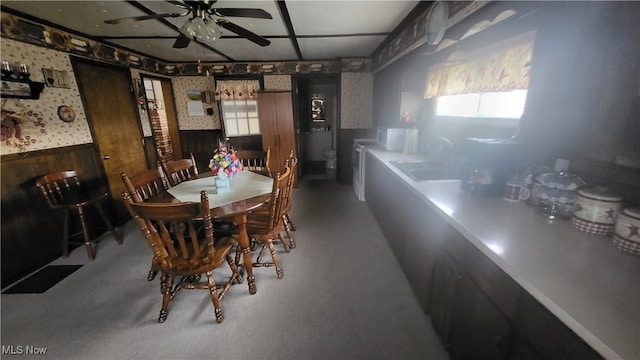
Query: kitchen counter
point(582, 279)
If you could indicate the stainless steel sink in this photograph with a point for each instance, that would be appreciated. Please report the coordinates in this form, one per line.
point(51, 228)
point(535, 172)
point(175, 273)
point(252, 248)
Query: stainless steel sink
point(424, 170)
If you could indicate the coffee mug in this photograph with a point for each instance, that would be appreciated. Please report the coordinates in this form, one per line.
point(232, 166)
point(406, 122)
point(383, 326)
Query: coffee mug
point(512, 191)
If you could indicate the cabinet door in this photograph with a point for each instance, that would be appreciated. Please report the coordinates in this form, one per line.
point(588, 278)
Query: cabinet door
point(478, 329)
point(276, 126)
point(268, 124)
point(547, 334)
point(446, 276)
point(422, 239)
point(387, 197)
point(286, 132)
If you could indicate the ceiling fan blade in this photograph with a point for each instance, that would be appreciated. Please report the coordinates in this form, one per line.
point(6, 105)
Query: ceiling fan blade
point(143, 17)
point(240, 12)
point(178, 3)
point(244, 32)
point(182, 41)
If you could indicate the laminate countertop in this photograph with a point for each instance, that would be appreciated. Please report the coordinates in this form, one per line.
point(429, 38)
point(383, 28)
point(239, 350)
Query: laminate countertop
point(586, 282)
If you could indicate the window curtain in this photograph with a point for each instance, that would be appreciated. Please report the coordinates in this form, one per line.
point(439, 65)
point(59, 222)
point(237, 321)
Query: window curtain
point(502, 67)
point(237, 89)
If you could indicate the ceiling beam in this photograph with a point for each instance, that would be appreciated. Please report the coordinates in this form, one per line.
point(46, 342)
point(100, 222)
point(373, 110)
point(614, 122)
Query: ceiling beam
point(284, 13)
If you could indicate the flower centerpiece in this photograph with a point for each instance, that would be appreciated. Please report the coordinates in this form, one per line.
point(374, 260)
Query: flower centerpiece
point(225, 164)
point(225, 159)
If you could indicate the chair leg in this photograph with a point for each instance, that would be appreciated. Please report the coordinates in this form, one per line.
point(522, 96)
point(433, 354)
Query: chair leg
point(153, 271)
point(293, 227)
point(274, 257)
point(85, 232)
point(288, 227)
point(114, 230)
point(65, 234)
point(214, 297)
point(166, 285)
point(284, 242)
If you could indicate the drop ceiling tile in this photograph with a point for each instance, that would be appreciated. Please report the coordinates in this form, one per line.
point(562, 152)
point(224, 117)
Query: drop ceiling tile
point(339, 47)
point(347, 17)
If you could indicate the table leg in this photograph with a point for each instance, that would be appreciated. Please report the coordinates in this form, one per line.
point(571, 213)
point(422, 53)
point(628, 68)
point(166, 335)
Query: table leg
point(243, 242)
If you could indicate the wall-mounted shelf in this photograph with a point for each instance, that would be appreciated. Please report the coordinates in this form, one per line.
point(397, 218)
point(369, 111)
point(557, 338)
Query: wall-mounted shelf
point(20, 89)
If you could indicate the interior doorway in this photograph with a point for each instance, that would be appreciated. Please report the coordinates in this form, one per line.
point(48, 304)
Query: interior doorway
point(162, 116)
point(318, 123)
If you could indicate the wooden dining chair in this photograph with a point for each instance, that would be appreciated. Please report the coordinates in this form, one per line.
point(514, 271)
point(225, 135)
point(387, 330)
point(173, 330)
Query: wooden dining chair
point(265, 227)
point(180, 170)
point(171, 231)
point(141, 187)
point(292, 163)
point(64, 191)
point(255, 160)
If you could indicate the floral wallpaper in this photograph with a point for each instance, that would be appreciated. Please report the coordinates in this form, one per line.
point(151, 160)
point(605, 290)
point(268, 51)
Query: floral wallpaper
point(356, 101)
point(277, 82)
point(181, 84)
point(38, 127)
point(41, 128)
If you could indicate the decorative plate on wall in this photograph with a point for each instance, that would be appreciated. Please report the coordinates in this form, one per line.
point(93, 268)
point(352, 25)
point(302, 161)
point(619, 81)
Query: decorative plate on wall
point(66, 113)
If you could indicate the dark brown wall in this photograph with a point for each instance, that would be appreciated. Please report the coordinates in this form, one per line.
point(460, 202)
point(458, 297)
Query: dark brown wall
point(31, 232)
point(584, 92)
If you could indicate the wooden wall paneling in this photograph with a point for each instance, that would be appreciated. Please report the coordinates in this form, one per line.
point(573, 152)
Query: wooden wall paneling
point(201, 143)
point(31, 233)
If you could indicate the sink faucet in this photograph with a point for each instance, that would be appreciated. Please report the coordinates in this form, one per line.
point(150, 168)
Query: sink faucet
point(442, 151)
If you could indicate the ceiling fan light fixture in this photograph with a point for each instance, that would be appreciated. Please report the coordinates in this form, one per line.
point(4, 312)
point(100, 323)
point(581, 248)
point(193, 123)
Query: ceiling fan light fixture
point(200, 29)
point(211, 32)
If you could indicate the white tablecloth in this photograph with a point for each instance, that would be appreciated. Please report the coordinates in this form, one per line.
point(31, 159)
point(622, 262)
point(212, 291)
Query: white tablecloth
point(244, 185)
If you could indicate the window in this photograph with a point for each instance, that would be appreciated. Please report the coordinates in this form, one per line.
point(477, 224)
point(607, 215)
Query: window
point(240, 117)
point(508, 105)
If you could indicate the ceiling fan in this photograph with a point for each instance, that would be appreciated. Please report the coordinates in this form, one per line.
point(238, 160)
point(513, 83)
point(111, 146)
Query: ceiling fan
point(205, 21)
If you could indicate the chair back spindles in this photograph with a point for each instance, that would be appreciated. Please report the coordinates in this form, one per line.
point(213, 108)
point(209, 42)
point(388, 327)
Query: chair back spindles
point(172, 232)
point(255, 160)
point(180, 170)
point(144, 185)
point(63, 191)
point(292, 163)
point(266, 227)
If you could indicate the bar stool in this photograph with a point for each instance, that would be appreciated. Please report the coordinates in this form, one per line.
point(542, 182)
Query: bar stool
point(62, 191)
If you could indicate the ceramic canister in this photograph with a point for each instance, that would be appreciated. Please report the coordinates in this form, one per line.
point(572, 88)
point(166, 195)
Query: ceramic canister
point(595, 211)
point(626, 235)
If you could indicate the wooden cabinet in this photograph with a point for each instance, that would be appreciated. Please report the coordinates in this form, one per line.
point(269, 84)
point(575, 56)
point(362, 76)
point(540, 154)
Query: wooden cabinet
point(468, 323)
point(476, 309)
point(275, 109)
point(445, 287)
point(405, 224)
point(547, 335)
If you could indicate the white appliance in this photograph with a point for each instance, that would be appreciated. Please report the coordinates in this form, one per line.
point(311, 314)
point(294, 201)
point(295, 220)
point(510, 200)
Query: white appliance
point(391, 139)
point(358, 151)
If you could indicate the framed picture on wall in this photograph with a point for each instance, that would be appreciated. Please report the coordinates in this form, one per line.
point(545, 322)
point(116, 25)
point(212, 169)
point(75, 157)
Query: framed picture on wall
point(317, 110)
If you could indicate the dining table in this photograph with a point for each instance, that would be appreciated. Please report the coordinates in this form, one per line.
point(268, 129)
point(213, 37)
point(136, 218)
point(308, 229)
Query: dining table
point(248, 191)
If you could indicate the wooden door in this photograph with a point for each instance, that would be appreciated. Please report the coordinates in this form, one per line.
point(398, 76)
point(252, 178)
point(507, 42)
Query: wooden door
point(111, 111)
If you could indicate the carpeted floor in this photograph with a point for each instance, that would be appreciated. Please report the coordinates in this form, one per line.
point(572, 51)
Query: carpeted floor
point(343, 296)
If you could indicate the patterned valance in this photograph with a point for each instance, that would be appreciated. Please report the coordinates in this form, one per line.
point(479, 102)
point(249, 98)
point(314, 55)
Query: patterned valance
point(237, 89)
point(504, 67)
